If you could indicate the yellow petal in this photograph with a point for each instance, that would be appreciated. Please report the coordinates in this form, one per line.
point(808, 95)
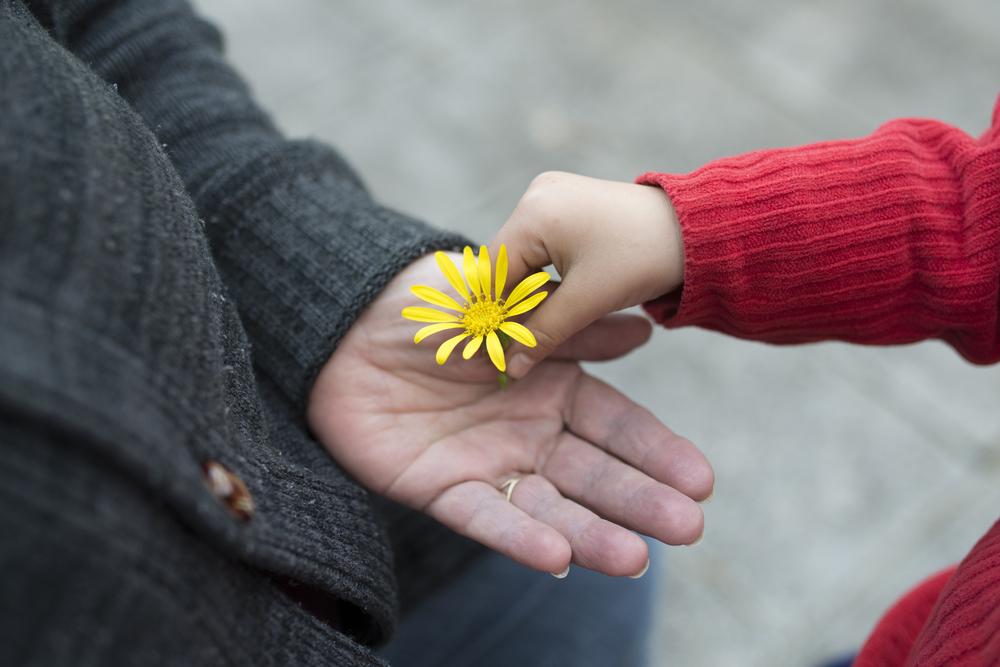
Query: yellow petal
point(450, 272)
point(527, 286)
point(527, 304)
point(432, 329)
point(501, 280)
point(423, 314)
point(471, 270)
point(519, 332)
point(484, 272)
point(472, 347)
point(436, 297)
point(446, 347)
point(495, 350)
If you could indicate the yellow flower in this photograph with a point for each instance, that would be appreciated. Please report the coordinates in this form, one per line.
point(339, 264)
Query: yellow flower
point(482, 312)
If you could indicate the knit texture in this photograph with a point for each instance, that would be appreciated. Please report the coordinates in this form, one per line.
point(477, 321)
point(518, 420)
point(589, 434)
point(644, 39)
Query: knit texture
point(894, 635)
point(106, 577)
point(166, 307)
point(891, 238)
point(299, 243)
point(964, 627)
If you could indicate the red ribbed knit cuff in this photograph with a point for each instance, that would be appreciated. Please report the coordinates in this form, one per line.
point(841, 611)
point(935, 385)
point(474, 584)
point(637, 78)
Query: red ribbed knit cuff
point(888, 239)
point(892, 640)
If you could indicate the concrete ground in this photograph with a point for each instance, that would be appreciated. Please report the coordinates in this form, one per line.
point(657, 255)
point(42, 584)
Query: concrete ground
point(844, 473)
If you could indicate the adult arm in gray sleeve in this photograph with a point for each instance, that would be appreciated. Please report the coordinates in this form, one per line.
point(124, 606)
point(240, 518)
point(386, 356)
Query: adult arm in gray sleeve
point(300, 243)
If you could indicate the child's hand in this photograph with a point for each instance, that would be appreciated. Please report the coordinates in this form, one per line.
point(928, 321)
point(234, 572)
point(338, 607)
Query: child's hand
point(614, 244)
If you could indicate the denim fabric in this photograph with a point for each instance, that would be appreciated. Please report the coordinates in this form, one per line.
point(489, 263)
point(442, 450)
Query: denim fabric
point(498, 613)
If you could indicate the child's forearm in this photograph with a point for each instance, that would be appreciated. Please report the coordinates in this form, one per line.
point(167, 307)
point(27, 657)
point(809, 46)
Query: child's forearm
point(888, 239)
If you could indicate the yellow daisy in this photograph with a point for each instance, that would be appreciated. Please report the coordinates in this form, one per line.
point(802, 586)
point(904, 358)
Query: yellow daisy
point(482, 312)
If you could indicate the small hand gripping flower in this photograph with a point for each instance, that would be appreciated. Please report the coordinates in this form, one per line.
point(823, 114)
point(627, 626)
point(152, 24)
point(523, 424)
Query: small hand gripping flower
point(484, 314)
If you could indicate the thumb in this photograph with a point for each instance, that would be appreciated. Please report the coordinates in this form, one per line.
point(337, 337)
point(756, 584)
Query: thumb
point(568, 309)
point(570, 306)
point(525, 251)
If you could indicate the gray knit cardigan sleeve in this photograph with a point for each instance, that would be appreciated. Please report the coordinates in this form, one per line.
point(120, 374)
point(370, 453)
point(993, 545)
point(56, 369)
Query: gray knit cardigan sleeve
point(299, 243)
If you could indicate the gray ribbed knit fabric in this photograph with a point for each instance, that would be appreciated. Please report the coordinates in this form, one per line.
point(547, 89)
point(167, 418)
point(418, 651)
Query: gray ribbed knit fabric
point(172, 274)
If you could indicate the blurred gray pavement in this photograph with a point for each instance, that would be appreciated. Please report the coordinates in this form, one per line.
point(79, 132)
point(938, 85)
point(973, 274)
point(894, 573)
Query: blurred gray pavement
point(844, 473)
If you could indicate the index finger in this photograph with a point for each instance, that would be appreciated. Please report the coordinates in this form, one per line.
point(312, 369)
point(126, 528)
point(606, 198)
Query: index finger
point(526, 252)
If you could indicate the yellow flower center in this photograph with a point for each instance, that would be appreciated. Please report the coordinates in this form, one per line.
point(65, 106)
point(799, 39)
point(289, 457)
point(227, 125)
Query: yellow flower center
point(483, 317)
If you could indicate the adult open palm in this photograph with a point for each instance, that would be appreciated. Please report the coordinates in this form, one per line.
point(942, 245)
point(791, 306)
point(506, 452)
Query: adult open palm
point(594, 466)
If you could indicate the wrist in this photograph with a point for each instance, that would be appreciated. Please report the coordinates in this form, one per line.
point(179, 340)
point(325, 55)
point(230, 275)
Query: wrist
point(666, 247)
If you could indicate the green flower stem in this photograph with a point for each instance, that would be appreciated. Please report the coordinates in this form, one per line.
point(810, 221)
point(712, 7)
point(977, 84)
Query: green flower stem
point(505, 341)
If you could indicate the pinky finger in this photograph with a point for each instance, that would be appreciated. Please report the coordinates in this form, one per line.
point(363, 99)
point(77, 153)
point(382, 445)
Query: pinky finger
point(480, 512)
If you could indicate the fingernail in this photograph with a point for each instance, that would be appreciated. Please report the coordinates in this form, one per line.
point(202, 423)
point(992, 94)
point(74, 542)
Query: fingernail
point(643, 571)
point(561, 575)
point(698, 541)
point(709, 498)
point(518, 365)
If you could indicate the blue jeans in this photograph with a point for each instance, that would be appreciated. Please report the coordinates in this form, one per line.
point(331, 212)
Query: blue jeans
point(500, 613)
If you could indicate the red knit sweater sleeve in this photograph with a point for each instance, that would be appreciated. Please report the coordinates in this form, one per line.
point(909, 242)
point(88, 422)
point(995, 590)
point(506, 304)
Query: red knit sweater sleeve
point(892, 238)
